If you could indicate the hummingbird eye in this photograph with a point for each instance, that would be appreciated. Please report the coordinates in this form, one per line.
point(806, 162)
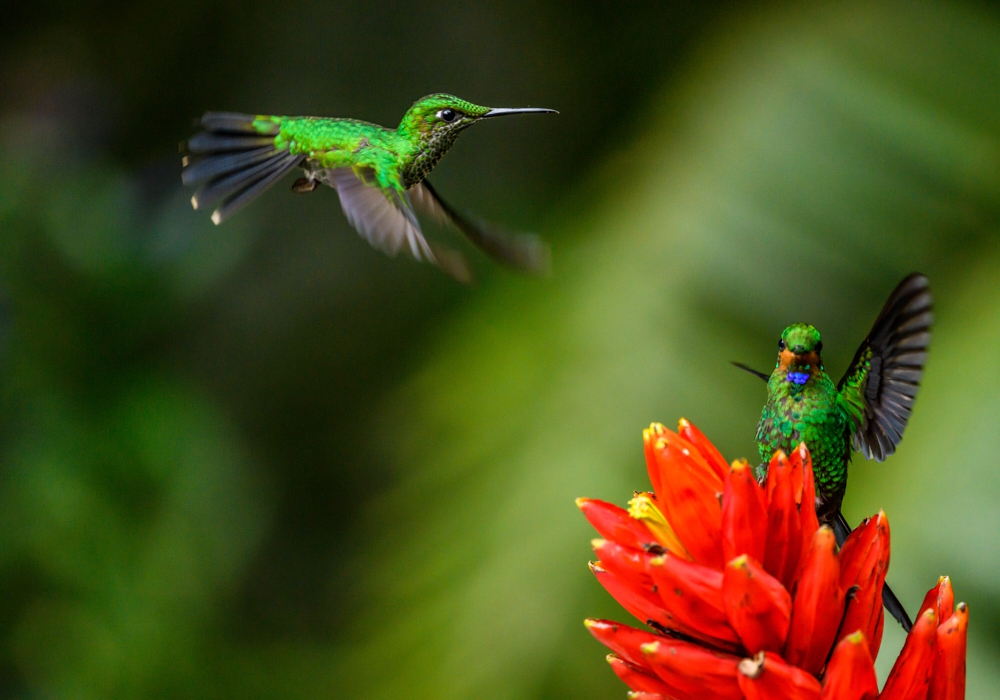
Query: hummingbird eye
point(447, 115)
point(781, 345)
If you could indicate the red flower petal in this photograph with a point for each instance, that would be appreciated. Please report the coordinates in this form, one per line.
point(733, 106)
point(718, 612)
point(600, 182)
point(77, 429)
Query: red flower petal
point(636, 678)
point(614, 523)
point(854, 553)
point(744, 514)
point(941, 598)
point(948, 678)
point(768, 677)
point(850, 675)
point(648, 696)
point(693, 670)
point(911, 674)
point(806, 496)
point(623, 562)
point(704, 446)
point(689, 496)
point(640, 602)
point(784, 531)
point(879, 629)
point(757, 605)
point(621, 639)
point(817, 606)
point(692, 596)
point(867, 559)
point(650, 436)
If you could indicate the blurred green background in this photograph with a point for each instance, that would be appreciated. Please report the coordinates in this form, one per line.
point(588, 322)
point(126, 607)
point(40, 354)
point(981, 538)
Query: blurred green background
point(264, 461)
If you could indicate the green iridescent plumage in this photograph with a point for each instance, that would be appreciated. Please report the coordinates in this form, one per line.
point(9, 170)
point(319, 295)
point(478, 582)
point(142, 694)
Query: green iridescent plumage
point(379, 174)
point(867, 409)
point(812, 412)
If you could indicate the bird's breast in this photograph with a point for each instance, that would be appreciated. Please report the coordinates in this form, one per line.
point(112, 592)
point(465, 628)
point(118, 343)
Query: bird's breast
point(429, 155)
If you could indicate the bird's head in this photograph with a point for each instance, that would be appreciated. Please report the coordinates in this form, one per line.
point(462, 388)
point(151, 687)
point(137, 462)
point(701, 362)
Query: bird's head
point(799, 352)
point(437, 119)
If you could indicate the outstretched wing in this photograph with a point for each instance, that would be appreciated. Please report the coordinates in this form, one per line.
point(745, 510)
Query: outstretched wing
point(383, 216)
point(882, 381)
point(523, 252)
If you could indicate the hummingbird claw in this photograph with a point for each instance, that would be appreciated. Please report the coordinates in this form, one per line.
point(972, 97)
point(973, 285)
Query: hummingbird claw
point(304, 185)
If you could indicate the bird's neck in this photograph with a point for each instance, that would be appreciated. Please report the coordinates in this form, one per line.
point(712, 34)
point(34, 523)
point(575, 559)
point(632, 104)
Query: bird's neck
point(797, 384)
point(426, 150)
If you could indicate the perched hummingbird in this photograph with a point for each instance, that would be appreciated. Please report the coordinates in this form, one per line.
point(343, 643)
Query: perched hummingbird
point(867, 409)
point(379, 174)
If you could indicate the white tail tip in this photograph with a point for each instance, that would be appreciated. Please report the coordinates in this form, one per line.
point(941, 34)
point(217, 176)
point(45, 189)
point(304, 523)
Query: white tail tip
point(216, 219)
point(194, 202)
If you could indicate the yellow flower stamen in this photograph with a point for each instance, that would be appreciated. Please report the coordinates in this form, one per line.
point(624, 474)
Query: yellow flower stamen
point(643, 509)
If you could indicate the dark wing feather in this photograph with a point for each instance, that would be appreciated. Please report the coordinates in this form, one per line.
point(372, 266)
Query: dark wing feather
point(523, 252)
point(751, 370)
point(885, 374)
point(234, 160)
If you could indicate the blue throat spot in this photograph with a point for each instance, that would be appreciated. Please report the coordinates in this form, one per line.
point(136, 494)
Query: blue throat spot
point(798, 377)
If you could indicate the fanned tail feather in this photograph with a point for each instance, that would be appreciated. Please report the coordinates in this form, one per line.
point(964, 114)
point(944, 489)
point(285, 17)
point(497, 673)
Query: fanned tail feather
point(234, 160)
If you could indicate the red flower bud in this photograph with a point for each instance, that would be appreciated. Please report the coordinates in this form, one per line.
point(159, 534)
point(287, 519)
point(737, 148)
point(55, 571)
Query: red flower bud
point(744, 514)
point(941, 598)
point(692, 595)
point(757, 605)
point(948, 677)
point(694, 670)
point(863, 563)
point(615, 524)
point(817, 605)
point(625, 641)
point(850, 675)
point(639, 678)
point(689, 497)
point(784, 526)
point(806, 497)
point(706, 448)
point(643, 604)
point(910, 676)
point(768, 677)
point(623, 562)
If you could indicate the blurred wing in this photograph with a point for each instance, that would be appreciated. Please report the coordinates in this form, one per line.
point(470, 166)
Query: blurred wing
point(523, 252)
point(383, 217)
point(882, 381)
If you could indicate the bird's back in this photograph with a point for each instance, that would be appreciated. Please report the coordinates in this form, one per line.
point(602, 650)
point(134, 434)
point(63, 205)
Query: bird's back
point(314, 136)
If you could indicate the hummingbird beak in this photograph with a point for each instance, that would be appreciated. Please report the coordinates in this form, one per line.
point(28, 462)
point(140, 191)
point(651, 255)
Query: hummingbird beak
point(504, 111)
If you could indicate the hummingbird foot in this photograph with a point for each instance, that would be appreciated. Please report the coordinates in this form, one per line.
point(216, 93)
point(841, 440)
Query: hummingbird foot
point(304, 185)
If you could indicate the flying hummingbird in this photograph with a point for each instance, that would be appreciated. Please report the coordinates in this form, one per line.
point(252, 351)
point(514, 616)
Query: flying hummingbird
point(867, 409)
point(379, 174)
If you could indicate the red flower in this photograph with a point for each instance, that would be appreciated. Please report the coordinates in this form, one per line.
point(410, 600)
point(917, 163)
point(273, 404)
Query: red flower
point(747, 596)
